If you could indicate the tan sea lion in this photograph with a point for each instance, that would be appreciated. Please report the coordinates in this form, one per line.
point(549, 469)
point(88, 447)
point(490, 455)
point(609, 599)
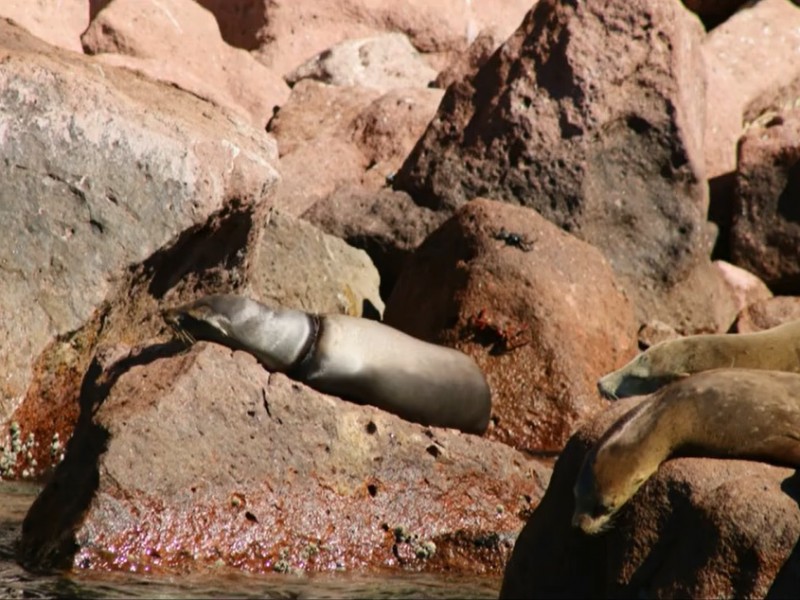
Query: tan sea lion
point(743, 413)
point(358, 359)
point(776, 349)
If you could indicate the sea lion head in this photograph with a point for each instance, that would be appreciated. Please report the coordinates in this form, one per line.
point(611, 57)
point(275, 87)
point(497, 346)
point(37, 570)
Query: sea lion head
point(277, 337)
point(648, 372)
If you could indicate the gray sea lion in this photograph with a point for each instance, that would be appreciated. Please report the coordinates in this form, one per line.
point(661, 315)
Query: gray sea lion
point(357, 359)
point(743, 413)
point(776, 349)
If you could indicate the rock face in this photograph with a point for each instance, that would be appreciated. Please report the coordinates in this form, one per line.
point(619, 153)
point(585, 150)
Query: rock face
point(746, 59)
point(101, 168)
point(699, 528)
point(588, 114)
point(349, 135)
point(538, 310)
point(766, 217)
point(179, 42)
point(192, 462)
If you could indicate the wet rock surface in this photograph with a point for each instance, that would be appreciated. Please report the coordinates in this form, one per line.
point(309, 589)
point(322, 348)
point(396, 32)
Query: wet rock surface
point(203, 459)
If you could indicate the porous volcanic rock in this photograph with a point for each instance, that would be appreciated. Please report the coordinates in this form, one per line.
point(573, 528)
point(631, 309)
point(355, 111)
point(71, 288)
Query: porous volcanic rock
point(699, 528)
point(178, 41)
point(589, 113)
point(768, 313)
point(747, 57)
point(331, 136)
point(538, 309)
point(101, 167)
point(57, 22)
point(192, 462)
point(765, 232)
point(382, 62)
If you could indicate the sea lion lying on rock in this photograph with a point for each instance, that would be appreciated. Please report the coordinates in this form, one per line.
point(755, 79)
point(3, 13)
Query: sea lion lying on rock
point(776, 349)
point(742, 413)
point(358, 359)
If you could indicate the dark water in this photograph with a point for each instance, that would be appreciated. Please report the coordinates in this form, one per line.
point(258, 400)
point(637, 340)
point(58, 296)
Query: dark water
point(15, 582)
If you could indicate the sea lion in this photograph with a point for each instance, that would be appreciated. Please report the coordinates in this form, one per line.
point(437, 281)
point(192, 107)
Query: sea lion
point(776, 349)
point(358, 359)
point(743, 413)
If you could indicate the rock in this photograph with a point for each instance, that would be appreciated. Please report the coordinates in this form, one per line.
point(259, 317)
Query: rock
point(248, 250)
point(699, 528)
point(655, 332)
point(295, 264)
point(384, 62)
point(101, 169)
point(386, 224)
point(351, 135)
point(293, 32)
point(765, 231)
point(158, 43)
point(193, 462)
point(467, 64)
point(538, 309)
point(57, 22)
point(745, 288)
point(767, 313)
point(582, 120)
point(745, 59)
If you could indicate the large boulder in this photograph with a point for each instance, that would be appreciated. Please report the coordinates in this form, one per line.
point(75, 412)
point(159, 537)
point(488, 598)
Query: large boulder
point(588, 114)
point(538, 309)
point(699, 528)
point(179, 42)
point(101, 168)
point(198, 461)
point(768, 313)
point(60, 25)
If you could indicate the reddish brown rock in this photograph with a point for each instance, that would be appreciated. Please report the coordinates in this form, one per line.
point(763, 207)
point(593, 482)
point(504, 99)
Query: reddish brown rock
point(766, 314)
point(699, 528)
point(766, 218)
point(746, 57)
point(588, 114)
point(192, 462)
point(57, 22)
point(538, 309)
point(330, 136)
point(178, 41)
point(473, 58)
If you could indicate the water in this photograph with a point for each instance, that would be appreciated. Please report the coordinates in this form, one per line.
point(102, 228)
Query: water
point(15, 582)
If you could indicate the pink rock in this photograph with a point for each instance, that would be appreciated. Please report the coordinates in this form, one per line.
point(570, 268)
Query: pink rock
point(57, 22)
point(752, 54)
point(331, 136)
point(538, 309)
point(178, 41)
point(745, 287)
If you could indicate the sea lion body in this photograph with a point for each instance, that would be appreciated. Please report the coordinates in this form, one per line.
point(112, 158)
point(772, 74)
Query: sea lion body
point(776, 349)
point(742, 413)
point(357, 359)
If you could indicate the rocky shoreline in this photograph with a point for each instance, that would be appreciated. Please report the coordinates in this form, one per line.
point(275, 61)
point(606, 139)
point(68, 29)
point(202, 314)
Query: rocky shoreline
point(548, 187)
